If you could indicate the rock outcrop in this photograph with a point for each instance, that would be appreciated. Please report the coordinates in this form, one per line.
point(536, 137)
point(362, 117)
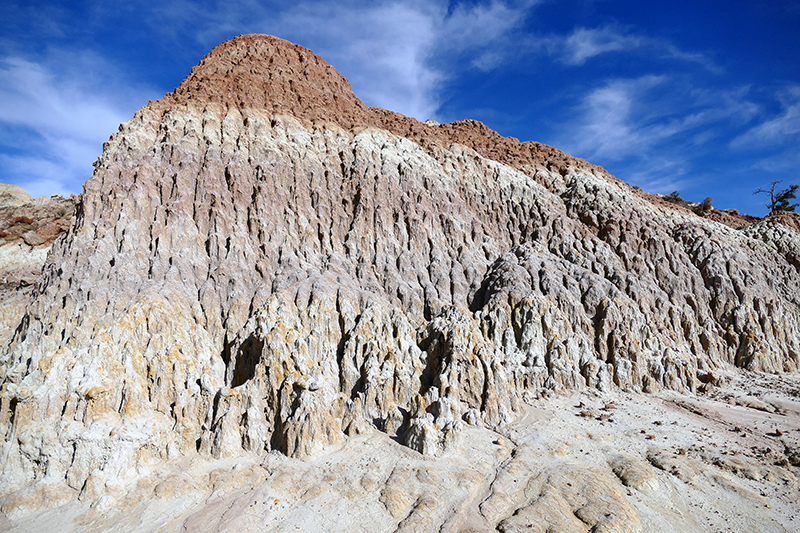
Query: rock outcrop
point(262, 262)
point(13, 196)
point(28, 228)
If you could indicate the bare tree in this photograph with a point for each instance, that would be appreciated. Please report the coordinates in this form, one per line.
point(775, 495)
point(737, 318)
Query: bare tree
point(779, 200)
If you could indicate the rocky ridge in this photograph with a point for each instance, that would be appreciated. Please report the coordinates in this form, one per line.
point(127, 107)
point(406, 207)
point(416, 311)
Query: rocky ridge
point(262, 262)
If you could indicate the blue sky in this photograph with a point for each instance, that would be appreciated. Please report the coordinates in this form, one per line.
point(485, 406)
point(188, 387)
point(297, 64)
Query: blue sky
point(698, 96)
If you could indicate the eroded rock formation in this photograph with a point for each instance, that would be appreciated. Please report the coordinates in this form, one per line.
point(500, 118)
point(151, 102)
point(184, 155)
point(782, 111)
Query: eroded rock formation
point(262, 262)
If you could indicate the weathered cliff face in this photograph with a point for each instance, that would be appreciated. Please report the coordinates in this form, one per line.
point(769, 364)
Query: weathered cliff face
point(261, 262)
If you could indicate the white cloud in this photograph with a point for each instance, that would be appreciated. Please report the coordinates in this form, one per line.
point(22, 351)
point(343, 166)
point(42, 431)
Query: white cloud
point(776, 130)
point(474, 27)
point(383, 50)
point(625, 117)
point(399, 54)
point(586, 43)
point(658, 180)
point(613, 123)
point(654, 130)
point(38, 175)
point(771, 144)
point(55, 117)
point(34, 97)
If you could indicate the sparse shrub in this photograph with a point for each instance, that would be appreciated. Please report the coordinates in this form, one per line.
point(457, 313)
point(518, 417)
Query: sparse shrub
point(674, 197)
point(703, 208)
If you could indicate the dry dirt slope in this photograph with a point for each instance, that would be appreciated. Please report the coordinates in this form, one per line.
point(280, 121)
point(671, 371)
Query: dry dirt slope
point(274, 302)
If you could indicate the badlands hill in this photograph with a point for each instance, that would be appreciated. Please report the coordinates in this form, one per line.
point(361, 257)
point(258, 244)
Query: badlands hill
point(278, 309)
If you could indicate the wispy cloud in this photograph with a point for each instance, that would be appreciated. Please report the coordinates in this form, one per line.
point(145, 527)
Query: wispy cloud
point(586, 43)
point(399, 55)
point(778, 129)
point(484, 30)
point(771, 144)
point(653, 128)
point(615, 122)
point(54, 120)
point(384, 50)
point(37, 98)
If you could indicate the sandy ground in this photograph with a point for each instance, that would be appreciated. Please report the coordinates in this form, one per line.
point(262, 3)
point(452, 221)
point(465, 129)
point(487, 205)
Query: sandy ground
point(725, 460)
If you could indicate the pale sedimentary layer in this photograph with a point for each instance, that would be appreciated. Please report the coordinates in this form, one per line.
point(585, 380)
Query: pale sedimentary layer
point(239, 280)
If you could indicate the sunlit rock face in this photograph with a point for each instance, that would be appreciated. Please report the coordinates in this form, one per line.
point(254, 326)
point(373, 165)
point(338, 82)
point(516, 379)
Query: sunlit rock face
point(261, 262)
